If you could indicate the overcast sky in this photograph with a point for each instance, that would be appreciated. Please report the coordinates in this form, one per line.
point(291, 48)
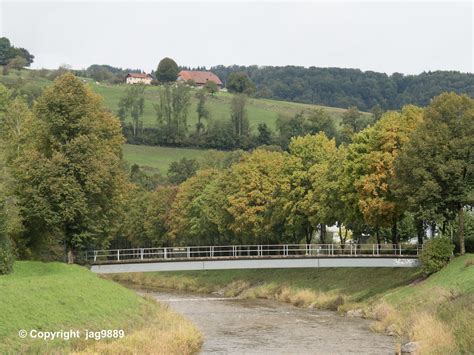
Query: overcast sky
point(385, 36)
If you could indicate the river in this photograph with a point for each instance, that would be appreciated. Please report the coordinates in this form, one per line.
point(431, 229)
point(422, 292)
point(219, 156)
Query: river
point(240, 326)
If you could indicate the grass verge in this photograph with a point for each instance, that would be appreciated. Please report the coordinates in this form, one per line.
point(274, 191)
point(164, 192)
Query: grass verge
point(55, 296)
point(437, 311)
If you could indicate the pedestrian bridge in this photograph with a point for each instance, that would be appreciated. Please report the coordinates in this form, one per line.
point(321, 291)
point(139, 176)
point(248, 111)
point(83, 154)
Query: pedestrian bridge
point(252, 257)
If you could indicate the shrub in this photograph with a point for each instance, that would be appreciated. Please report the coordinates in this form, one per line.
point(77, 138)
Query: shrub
point(7, 255)
point(436, 254)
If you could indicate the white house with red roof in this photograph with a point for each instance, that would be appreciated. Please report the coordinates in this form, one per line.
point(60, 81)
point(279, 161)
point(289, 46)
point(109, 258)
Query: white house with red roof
point(200, 78)
point(138, 78)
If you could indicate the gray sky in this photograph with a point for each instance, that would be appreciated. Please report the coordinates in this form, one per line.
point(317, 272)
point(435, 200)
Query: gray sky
point(384, 36)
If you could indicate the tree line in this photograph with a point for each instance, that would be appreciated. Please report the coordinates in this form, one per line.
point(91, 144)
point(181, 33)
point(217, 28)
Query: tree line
point(339, 87)
point(411, 174)
point(64, 187)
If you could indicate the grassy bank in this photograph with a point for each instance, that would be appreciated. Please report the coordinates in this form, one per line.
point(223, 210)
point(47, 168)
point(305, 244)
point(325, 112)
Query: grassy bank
point(437, 311)
point(55, 296)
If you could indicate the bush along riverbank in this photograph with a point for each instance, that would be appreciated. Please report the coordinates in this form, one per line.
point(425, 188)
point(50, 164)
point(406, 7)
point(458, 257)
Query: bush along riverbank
point(427, 315)
point(50, 297)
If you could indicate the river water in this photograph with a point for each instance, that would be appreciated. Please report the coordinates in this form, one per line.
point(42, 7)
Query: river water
point(239, 326)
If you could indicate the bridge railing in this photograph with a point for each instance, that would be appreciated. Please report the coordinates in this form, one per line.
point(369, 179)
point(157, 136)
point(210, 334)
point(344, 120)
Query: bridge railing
point(253, 251)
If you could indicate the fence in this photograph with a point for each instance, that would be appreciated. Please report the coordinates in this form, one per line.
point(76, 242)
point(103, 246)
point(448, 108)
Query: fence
point(253, 251)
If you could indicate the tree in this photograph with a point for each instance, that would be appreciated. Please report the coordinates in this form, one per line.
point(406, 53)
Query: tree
point(240, 83)
point(436, 166)
point(211, 87)
point(320, 121)
point(251, 189)
point(133, 102)
point(185, 224)
point(290, 126)
point(182, 170)
point(158, 216)
point(376, 186)
point(167, 70)
point(306, 209)
point(17, 63)
point(69, 176)
point(9, 52)
point(239, 115)
point(201, 109)
point(264, 134)
point(172, 112)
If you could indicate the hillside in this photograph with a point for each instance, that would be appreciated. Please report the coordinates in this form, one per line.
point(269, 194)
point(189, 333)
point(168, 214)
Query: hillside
point(55, 296)
point(259, 110)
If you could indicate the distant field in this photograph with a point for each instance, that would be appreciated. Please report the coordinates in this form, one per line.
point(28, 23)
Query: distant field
point(157, 159)
point(259, 110)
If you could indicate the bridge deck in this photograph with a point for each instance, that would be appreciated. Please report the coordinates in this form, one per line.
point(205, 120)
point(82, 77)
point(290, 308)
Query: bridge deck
point(252, 256)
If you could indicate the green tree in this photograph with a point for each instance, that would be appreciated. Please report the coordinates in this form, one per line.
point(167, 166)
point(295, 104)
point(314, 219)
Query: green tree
point(320, 121)
point(211, 87)
point(186, 225)
point(239, 115)
point(436, 166)
point(133, 102)
point(201, 109)
point(240, 83)
point(69, 177)
point(307, 210)
point(167, 70)
point(17, 63)
point(172, 112)
point(264, 134)
point(182, 170)
point(158, 216)
point(352, 122)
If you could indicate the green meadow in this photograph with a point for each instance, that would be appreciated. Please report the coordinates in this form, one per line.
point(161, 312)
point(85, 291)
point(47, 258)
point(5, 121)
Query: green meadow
point(258, 110)
point(157, 159)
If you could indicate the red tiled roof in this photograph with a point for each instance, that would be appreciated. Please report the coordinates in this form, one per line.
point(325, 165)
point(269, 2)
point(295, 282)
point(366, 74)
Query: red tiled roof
point(199, 77)
point(139, 75)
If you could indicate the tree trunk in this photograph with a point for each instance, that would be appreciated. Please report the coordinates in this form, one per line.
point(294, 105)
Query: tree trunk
point(377, 234)
point(322, 233)
point(433, 229)
point(395, 239)
point(309, 234)
point(462, 246)
point(70, 256)
point(420, 230)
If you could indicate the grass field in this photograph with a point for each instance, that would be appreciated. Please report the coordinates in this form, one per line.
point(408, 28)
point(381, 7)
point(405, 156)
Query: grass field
point(259, 110)
point(438, 311)
point(55, 296)
point(157, 159)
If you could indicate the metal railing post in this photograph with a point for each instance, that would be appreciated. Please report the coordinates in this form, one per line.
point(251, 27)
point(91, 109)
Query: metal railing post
point(165, 253)
point(118, 254)
point(141, 253)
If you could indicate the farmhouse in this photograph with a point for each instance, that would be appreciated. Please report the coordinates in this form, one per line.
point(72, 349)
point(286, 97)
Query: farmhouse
point(138, 78)
point(200, 78)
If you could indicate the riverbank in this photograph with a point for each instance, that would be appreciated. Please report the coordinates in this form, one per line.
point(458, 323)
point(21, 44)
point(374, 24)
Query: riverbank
point(436, 312)
point(50, 297)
